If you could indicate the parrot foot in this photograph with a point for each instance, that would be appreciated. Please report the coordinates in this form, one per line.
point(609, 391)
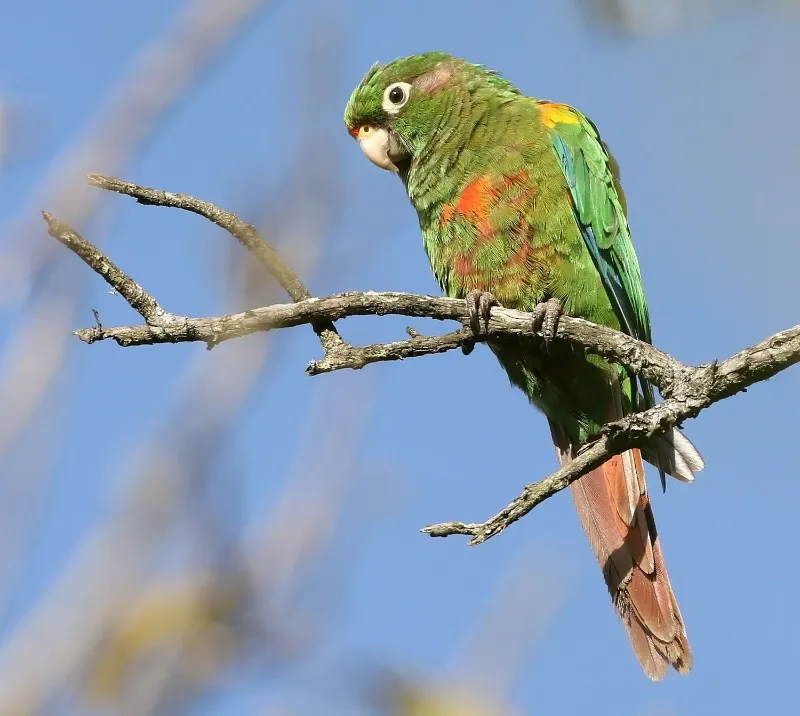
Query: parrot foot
point(545, 319)
point(479, 307)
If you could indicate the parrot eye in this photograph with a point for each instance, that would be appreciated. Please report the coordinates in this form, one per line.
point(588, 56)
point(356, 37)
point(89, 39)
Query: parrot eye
point(395, 97)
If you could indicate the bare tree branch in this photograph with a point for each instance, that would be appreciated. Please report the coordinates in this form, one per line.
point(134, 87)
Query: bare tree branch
point(141, 301)
point(687, 389)
point(701, 387)
point(241, 230)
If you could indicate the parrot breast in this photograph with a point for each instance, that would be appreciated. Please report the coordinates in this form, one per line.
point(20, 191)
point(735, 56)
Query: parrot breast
point(485, 237)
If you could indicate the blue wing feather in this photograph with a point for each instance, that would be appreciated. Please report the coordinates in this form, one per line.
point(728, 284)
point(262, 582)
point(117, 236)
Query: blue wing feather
point(603, 258)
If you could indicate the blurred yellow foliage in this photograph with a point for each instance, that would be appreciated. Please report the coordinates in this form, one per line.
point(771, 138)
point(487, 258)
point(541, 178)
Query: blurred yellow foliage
point(189, 615)
point(407, 698)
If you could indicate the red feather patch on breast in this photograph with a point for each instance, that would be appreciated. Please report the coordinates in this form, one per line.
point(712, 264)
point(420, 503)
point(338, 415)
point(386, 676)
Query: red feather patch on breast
point(476, 203)
point(464, 267)
point(494, 206)
point(482, 195)
point(448, 212)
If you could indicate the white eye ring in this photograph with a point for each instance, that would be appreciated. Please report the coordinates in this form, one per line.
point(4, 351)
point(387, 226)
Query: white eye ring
point(395, 97)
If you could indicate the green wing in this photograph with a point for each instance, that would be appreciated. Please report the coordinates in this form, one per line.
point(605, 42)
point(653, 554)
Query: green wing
point(599, 207)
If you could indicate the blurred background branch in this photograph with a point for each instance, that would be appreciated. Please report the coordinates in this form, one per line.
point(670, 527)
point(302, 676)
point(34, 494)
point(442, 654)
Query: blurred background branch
point(659, 17)
point(187, 532)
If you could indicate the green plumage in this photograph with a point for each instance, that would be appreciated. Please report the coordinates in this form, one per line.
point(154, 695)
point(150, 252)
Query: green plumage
point(520, 198)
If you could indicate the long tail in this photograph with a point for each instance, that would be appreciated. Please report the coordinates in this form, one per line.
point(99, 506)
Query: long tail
point(615, 511)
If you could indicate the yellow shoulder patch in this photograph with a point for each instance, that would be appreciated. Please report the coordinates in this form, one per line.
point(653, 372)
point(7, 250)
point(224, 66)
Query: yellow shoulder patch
point(553, 113)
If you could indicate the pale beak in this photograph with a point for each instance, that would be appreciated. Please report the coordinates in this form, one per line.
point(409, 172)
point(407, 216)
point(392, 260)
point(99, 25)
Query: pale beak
point(381, 147)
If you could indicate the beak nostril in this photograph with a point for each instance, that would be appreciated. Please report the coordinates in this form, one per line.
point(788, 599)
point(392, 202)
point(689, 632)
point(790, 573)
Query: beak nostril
point(380, 146)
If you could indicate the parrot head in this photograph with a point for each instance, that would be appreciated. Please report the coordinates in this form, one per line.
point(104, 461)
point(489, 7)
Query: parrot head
point(398, 106)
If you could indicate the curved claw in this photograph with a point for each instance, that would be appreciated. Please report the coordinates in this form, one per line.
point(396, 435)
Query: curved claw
point(545, 319)
point(479, 306)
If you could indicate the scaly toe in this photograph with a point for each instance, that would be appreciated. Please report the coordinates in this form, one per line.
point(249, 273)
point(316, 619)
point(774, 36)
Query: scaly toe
point(479, 307)
point(545, 319)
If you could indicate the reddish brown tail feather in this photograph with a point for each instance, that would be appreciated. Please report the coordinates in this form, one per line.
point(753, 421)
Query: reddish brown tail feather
point(615, 511)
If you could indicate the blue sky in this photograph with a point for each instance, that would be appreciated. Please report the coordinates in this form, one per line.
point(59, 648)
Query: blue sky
point(702, 123)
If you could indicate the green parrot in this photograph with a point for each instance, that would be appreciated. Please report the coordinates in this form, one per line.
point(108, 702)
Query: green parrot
point(520, 205)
